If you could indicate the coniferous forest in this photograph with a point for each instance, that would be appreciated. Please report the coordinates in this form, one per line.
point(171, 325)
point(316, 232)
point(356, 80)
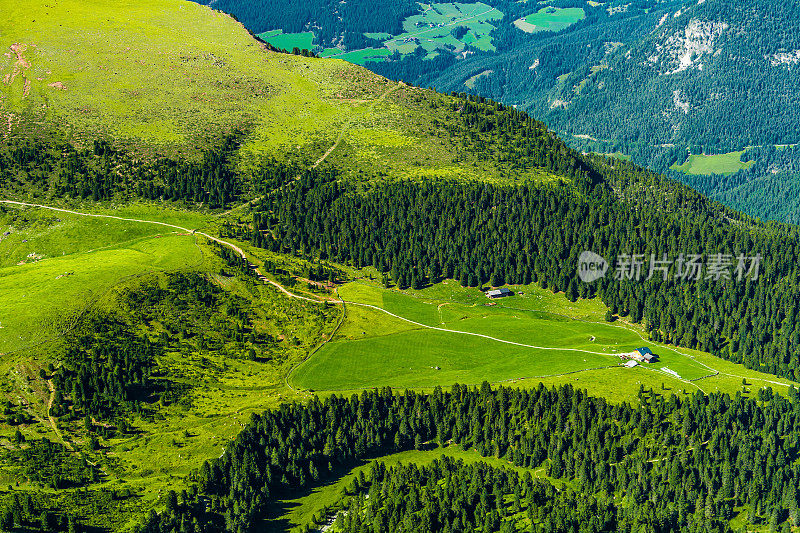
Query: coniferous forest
point(423, 232)
point(103, 172)
point(667, 464)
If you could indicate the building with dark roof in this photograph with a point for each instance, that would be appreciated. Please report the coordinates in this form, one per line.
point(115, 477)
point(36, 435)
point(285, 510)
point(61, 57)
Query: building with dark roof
point(499, 293)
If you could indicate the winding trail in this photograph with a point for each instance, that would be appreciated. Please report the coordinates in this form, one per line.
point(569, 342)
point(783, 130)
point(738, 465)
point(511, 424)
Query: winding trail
point(52, 419)
point(290, 294)
point(54, 425)
point(328, 152)
point(481, 335)
point(230, 245)
point(347, 125)
point(341, 301)
point(631, 329)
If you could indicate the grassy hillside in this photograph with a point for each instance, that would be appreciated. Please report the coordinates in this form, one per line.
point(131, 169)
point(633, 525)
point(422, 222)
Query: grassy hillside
point(205, 384)
point(174, 78)
point(158, 73)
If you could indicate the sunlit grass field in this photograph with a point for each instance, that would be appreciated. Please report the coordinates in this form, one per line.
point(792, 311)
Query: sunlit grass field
point(448, 334)
point(172, 77)
point(713, 164)
point(288, 41)
point(554, 19)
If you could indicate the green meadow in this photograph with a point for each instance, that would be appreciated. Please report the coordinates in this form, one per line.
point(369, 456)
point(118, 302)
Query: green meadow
point(554, 19)
point(53, 264)
point(618, 155)
point(448, 334)
point(380, 36)
point(713, 164)
point(31, 235)
point(38, 295)
point(470, 83)
point(288, 41)
point(361, 57)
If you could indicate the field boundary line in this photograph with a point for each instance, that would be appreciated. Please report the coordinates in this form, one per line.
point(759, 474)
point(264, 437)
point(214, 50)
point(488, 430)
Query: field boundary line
point(318, 348)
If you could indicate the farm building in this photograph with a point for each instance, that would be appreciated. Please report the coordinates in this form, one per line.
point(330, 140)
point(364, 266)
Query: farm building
point(646, 355)
point(643, 355)
point(631, 364)
point(498, 293)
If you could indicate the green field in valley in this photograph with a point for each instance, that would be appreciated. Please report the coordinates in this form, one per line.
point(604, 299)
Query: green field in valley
point(448, 334)
point(288, 41)
point(551, 19)
point(470, 83)
point(619, 155)
point(378, 35)
point(432, 29)
point(713, 164)
point(361, 57)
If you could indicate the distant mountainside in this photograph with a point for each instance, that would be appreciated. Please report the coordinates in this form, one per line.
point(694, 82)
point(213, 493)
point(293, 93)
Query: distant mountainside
point(655, 81)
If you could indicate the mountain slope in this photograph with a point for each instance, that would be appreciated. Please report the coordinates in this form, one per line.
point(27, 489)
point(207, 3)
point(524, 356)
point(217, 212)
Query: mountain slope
point(714, 74)
point(688, 78)
point(176, 79)
point(655, 81)
point(331, 174)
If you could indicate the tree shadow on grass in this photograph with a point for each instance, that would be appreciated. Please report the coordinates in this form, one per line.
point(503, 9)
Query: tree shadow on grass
point(275, 519)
